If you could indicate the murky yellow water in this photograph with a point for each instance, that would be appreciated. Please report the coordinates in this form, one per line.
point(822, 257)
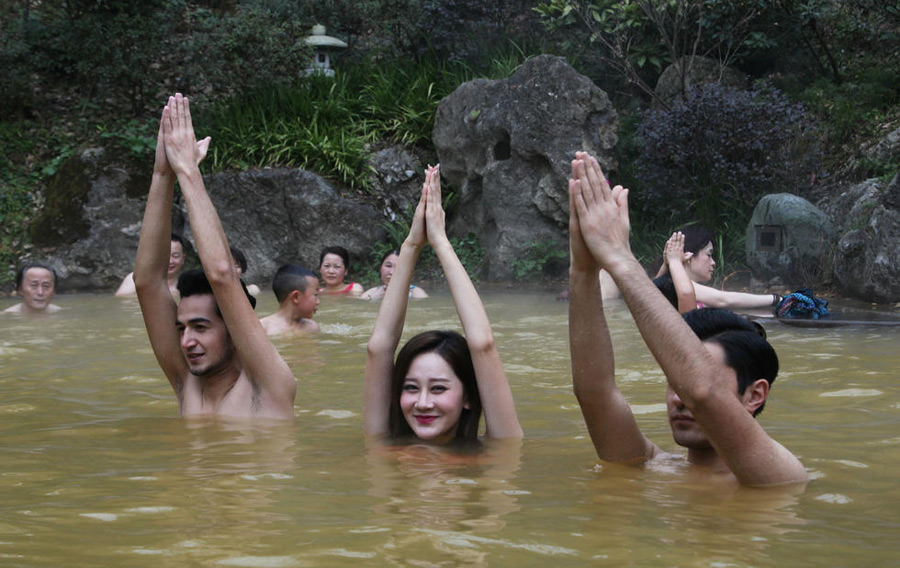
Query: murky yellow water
point(97, 470)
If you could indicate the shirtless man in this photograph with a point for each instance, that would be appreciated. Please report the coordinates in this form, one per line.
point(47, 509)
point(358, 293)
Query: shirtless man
point(297, 292)
point(36, 284)
point(176, 262)
point(715, 387)
point(211, 347)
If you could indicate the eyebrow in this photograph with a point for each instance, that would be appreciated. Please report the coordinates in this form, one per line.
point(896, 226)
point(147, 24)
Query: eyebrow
point(431, 379)
point(194, 320)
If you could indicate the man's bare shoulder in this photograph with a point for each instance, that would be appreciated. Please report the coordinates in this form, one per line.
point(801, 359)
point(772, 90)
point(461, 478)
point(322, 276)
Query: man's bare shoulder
point(18, 309)
point(244, 400)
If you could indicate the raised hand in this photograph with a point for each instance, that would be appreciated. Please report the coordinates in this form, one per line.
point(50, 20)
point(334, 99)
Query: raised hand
point(182, 150)
point(161, 162)
point(435, 227)
point(602, 212)
point(417, 236)
point(674, 250)
point(581, 258)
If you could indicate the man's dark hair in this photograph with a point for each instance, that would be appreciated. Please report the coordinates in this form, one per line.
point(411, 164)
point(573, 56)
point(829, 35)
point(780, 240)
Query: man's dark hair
point(290, 277)
point(338, 250)
point(195, 283)
point(746, 350)
point(239, 258)
point(177, 238)
point(20, 275)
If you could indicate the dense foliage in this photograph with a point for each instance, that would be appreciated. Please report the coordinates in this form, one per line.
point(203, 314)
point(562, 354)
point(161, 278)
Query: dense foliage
point(80, 72)
point(721, 148)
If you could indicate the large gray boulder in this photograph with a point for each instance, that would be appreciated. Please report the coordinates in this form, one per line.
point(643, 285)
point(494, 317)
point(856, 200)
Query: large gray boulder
point(396, 183)
point(90, 227)
point(505, 148)
point(282, 215)
point(788, 238)
point(867, 257)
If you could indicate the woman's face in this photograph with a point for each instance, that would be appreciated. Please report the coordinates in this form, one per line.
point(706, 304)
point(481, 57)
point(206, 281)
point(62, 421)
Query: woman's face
point(332, 270)
point(387, 268)
point(432, 398)
point(701, 265)
point(176, 258)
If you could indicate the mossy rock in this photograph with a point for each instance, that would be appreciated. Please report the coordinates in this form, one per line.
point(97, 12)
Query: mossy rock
point(62, 219)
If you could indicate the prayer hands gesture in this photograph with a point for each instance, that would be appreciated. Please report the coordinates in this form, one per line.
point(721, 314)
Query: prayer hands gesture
point(602, 214)
point(435, 226)
point(428, 224)
point(581, 258)
point(674, 250)
point(177, 149)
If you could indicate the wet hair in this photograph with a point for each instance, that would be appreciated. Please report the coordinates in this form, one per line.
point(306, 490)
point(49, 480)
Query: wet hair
point(453, 349)
point(239, 258)
point(696, 237)
point(746, 349)
point(290, 277)
point(338, 250)
point(195, 283)
point(177, 238)
point(665, 285)
point(20, 275)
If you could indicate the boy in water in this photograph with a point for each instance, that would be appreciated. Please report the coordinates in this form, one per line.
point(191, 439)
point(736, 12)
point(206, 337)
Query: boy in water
point(297, 292)
point(210, 346)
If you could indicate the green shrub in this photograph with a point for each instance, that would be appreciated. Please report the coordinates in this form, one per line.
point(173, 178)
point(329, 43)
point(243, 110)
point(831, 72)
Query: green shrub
point(541, 259)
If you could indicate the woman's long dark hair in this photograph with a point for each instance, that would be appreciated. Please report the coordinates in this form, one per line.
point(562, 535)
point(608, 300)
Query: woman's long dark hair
point(453, 349)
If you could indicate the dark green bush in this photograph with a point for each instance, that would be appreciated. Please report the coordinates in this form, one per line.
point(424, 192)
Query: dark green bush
point(710, 159)
point(717, 153)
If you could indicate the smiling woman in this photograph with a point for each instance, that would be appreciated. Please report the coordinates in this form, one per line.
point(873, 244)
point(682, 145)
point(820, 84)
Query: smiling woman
point(334, 264)
point(434, 391)
point(441, 381)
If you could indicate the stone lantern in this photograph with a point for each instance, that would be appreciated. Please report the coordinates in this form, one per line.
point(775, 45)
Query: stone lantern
point(322, 44)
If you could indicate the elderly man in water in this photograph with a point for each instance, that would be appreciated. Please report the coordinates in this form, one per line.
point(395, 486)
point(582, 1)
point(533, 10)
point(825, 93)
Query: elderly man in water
point(719, 370)
point(210, 346)
point(36, 284)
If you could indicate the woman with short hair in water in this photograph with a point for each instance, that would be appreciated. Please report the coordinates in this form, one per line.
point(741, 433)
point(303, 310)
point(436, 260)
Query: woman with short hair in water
point(441, 382)
point(334, 265)
point(386, 272)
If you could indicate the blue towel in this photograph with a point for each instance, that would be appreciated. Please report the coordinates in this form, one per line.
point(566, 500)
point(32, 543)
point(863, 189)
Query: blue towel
point(802, 303)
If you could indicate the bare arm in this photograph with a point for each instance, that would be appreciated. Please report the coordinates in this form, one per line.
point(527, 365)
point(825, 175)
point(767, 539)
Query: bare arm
point(493, 386)
point(674, 259)
point(261, 360)
point(610, 422)
point(149, 277)
point(716, 298)
point(388, 328)
point(706, 386)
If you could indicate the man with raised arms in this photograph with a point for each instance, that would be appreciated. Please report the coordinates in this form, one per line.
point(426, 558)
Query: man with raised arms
point(211, 346)
point(715, 386)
